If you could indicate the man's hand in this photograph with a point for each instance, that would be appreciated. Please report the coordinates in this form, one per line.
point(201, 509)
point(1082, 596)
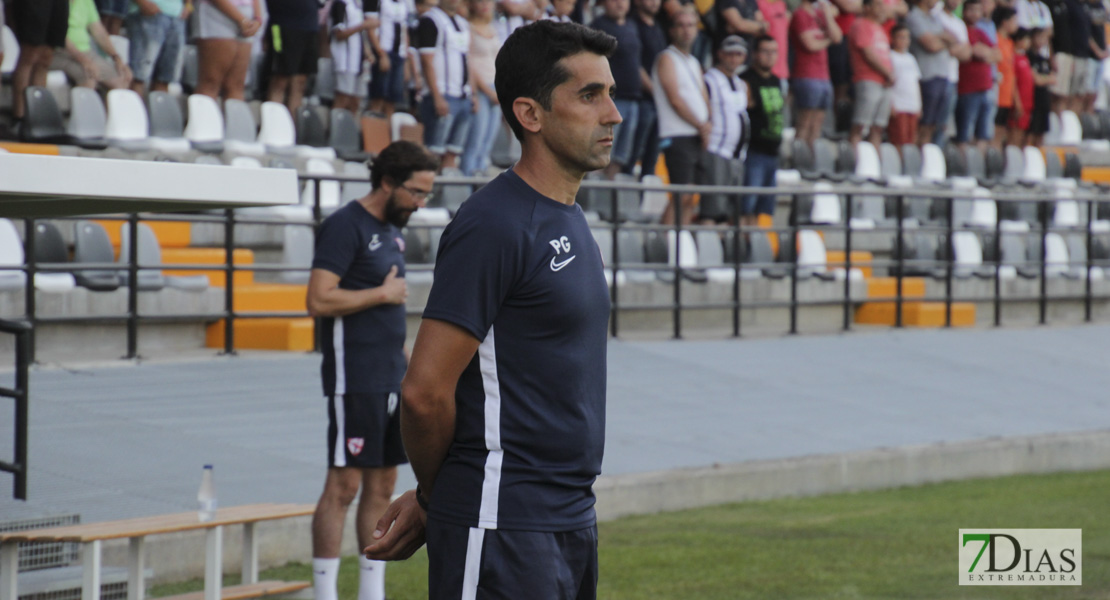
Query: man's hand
point(400, 531)
point(442, 108)
point(148, 8)
point(91, 72)
point(394, 288)
point(249, 27)
point(704, 130)
point(383, 62)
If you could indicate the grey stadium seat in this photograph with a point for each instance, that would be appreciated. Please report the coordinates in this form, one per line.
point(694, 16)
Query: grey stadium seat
point(91, 245)
point(87, 119)
point(43, 122)
point(343, 135)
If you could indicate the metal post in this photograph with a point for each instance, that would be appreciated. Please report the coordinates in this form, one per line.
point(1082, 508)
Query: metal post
point(250, 553)
point(794, 268)
point(9, 570)
point(133, 287)
point(848, 264)
point(90, 564)
point(997, 268)
point(900, 244)
point(951, 254)
point(1042, 301)
point(1087, 271)
point(677, 309)
point(22, 407)
point(229, 283)
point(736, 241)
point(136, 586)
point(29, 304)
point(213, 562)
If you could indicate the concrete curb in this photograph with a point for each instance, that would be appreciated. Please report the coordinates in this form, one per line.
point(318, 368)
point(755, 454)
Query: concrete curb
point(661, 491)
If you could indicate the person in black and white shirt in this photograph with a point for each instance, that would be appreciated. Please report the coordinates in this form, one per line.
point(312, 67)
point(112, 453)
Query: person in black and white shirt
point(347, 26)
point(443, 38)
point(388, 41)
point(728, 108)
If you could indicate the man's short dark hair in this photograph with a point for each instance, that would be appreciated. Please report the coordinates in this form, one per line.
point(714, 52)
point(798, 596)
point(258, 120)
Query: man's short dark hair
point(398, 161)
point(898, 27)
point(1001, 14)
point(528, 63)
point(1021, 34)
point(759, 41)
point(970, 2)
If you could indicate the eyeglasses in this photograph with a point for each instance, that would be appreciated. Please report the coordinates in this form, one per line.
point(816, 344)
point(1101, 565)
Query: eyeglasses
point(417, 195)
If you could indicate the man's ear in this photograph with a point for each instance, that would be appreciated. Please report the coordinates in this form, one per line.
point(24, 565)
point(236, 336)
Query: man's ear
point(529, 113)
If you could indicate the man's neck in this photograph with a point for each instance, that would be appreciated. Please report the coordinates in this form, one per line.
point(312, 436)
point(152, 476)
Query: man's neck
point(374, 203)
point(645, 18)
point(544, 173)
point(617, 20)
point(762, 73)
point(685, 51)
point(721, 68)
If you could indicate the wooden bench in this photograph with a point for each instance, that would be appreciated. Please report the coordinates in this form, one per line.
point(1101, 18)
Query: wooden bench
point(91, 535)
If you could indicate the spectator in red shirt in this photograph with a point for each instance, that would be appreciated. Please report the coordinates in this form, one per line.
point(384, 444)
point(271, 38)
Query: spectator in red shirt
point(812, 30)
point(973, 102)
point(1022, 112)
point(872, 75)
point(777, 15)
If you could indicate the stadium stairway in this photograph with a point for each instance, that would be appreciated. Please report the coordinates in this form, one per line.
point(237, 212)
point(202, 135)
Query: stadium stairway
point(915, 311)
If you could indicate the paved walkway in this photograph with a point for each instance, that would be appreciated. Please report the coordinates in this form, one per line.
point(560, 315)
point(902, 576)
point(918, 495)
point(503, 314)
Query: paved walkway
point(119, 440)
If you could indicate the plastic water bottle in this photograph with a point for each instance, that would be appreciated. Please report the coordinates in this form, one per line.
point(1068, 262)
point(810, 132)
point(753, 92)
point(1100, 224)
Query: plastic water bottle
point(206, 496)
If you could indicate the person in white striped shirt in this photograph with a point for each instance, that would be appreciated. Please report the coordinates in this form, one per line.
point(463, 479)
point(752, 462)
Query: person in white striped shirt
point(728, 109)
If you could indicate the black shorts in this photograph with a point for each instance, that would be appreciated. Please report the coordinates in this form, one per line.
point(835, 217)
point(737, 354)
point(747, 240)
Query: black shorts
point(292, 52)
point(840, 65)
point(686, 160)
point(469, 562)
point(1002, 117)
point(364, 431)
point(40, 22)
point(1038, 121)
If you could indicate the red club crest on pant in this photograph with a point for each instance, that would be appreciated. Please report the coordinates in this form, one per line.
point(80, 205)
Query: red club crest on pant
point(354, 445)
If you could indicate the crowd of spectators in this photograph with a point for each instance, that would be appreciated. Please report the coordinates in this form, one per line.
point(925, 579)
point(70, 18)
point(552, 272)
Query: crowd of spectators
point(708, 85)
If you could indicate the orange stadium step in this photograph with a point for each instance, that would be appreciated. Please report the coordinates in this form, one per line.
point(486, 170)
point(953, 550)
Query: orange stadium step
point(887, 287)
point(170, 234)
point(265, 334)
point(1096, 174)
point(277, 297)
point(210, 256)
point(916, 314)
point(860, 260)
point(21, 148)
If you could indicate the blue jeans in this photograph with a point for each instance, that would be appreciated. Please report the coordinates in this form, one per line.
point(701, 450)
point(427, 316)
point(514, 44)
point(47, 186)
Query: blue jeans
point(157, 46)
point(949, 104)
point(759, 171)
point(484, 125)
point(624, 133)
point(448, 133)
point(645, 145)
point(972, 115)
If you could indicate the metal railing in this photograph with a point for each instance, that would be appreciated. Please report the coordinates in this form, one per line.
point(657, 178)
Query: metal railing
point(794, 198)
point(20, 394)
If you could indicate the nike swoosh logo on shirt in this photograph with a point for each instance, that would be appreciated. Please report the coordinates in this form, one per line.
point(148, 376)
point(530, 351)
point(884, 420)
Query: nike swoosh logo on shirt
point(556, 266)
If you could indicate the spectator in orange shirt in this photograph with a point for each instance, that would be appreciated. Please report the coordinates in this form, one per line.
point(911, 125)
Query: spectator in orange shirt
point(1005, 20)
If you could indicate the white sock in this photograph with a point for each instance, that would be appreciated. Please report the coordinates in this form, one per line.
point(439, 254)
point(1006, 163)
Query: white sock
point(371, 579)
point(325, 574)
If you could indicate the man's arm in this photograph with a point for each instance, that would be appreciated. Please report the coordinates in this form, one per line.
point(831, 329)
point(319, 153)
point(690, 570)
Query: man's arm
point(439, 355)
point(326, 299)
point(876, 63)
point(669, 82)
point(738, 24)
point(104, 41)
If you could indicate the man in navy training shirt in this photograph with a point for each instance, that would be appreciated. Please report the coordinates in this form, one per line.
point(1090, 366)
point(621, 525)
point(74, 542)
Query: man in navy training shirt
point(357, 287)
point(503, 405)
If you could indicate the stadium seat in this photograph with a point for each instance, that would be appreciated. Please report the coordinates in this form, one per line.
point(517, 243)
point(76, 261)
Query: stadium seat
point(655, 201)
point(919, 254)
point(329, 190)
point(630, 246)
point(1071, 132)
point(826, 204)
point(954, 161)
point(91, 245)
point(10, 47)
point(310, 129)
point(1056, 260)
point(205, 128)
point(190, 68)
point(1052, 136)
point(241, 129)
point(760, 253)
point(1014, 167)
point(149, 253)
point(890, 162)
point(122, 46)
point(324, 88)
point(685, 254)
point(506, 148)
point(1065, 209)
point(1034, 171)
point(1077, 252)
point(50, 249)
point(933, 165)
point(994, 162)
point(127, 127)
point(345, 137)
point(984, 210)
point(801, 156)
point(1015, 252)
point(1073, 168)
point(824, 159)
point(376, 133)
point(87, 119)
point(711, 257)
point(397, 122)
point(246, 162)
point(277, 131)
point(603, 236)
point(298, 243)
point(451, 197)
point(867, 162)
point(968, 256)
point(208, 159)
point(911, 161)
point(1091, 125)
point(976, 165)
point(812, 258)
point(1052, 166)
point(845, 158)
point(43, 122)
point(167, 126)
point(353, 190)
point(11, 257)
